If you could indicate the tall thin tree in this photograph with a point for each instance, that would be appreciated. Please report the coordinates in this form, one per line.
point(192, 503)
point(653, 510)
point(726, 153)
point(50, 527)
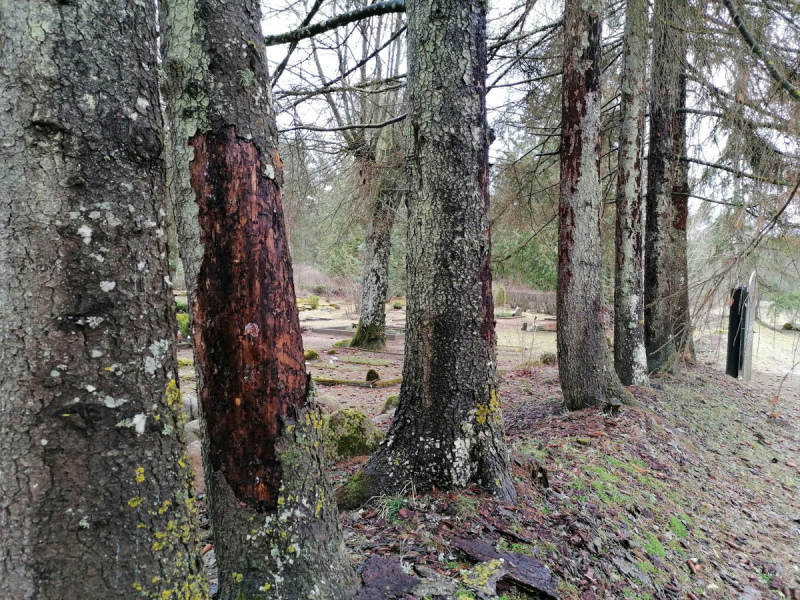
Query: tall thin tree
point(448, 429)
point(668, 63)
point(584, 361)
point(630, 358)
point(276, 527)
point(95, 494)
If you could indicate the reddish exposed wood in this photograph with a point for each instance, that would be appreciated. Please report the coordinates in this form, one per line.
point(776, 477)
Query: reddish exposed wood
point(249, 345)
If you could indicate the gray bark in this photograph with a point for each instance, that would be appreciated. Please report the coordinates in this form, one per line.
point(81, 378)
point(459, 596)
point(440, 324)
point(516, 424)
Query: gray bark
point(95, 495)
point(669, 55)
point(371, 329)
point(630, 357)
point(584, 361)
point(275, 523)
point(448, 429)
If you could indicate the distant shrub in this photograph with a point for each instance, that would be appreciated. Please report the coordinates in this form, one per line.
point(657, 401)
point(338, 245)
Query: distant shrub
point(313, 302)
point(181, 306)
point(183, 324)
point(311, 354)
point(397, 305)
point(500, 297)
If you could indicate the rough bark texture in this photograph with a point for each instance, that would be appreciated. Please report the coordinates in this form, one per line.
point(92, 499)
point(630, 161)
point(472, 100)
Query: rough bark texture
point(276, 527)
point(371, 330)
point(448, 429)
point(669, 54)
point(95, 494)
point(584, 361)
point(630, 358)
point(682, 326)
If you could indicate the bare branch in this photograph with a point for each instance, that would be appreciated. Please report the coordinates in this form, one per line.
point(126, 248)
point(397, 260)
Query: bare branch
point(736, 172)
point(347, 127)
point(372, 10)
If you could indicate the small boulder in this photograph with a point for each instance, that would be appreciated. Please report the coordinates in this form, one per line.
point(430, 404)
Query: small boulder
point(195, 453)
point(372, 375)
point(391, 402)
point(311, 354)
point(190, 406)
point(349, 432)
point(192, 431)
point(329, 404)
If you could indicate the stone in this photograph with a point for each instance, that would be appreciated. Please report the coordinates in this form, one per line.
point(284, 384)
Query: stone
point(195, 453)
point(348, 433)
point(193, 431)
point(329, 404)
point(391, 402)
point(191, 406)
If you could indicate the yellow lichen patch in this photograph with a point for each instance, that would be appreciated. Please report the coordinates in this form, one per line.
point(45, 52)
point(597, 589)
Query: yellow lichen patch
point(135, 501)
point(489, 412)
point(237, 577)
point(266, 587)
point(173, 394)
point(481, 574)
point(164, 507)
point(139, 474)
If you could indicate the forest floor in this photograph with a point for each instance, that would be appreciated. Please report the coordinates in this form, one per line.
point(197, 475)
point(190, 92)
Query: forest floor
point(692, 493)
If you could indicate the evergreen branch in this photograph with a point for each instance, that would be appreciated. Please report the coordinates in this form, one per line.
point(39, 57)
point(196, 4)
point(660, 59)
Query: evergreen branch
point(759, 51)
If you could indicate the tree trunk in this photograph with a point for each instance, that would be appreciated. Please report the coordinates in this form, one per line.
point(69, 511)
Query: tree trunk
point(630, 358)
point(276, 527)
point(669, 54)
point(584, 362)
point(448, 429)
point(682, 326)
point(371, 330)
point(95, 495)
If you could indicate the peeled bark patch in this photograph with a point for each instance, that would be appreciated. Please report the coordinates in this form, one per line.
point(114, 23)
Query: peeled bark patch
point(250, 381)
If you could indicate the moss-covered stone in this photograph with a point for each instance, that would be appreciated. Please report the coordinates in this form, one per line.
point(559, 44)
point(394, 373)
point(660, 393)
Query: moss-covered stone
point(349, 432)
point(372, 375)
point(391, 402)
point(311, 354)
point(354, 493)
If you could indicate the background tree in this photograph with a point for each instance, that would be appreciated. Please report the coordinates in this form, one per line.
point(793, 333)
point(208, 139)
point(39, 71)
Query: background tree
point(276, 528)
point(584, 361)
point(630, 358)
point(448, 428)
point(95, 495)
point(669, 56)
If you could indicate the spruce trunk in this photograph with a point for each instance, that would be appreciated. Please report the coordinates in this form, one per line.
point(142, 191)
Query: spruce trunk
point(448, 429)
point(276, 528)
point(584, 361)
point(95, 495)
point(630, 358)
point(669, 55)
point(682, 325)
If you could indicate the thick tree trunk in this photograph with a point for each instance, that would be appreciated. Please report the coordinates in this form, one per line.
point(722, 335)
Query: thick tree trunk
point(95, 494)
point(371, 330)
point(630, 358)
point(669, 54)
point(276, 527)
point(682, 326)
point(584, 362)
point(448, 429)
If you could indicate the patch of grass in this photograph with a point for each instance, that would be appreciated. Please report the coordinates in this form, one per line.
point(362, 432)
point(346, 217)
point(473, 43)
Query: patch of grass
point(677, 527)
point(185, 362)
point(362, 360)
point(342, 344)
point(181, 306)
point(313, 302)
point(653, 547)
point(397, 305)
point(389, 506)
point(466, 507)
point(645, 566)
point(504, 314)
